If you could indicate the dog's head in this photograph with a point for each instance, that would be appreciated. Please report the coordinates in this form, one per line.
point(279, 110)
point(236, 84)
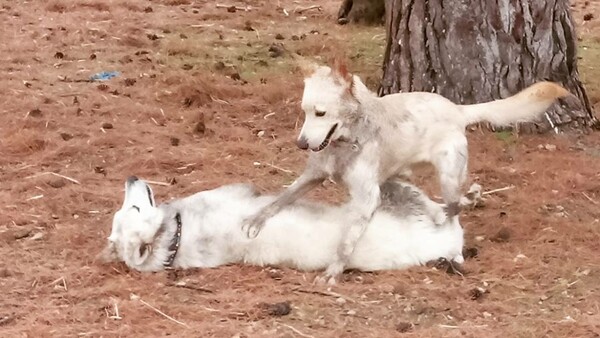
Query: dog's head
point(134, 225)
point(328, 103)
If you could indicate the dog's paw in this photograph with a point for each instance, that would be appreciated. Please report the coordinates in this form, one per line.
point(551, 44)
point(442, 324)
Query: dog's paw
point(252, 227)
point(452, 209)
point(473, 197)
point(324, 280)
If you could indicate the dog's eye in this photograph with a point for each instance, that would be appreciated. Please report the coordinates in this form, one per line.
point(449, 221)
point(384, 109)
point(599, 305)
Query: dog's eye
point(319, 113)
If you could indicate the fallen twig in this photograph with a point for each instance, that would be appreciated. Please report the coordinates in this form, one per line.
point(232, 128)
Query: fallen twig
point(158, 183)
point(55, 174)
point(325, 293)
point(498, 190)
point(301, 10)
point(237, 8)
point(276, 167)
point(191, 287)
point(158, 311)
point(219, 100)
point(589, 198)
point(37, 197)
point(206, 25)
point(297, 331)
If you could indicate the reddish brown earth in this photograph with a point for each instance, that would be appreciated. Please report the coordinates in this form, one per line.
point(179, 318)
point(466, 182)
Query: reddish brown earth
point(180, 113)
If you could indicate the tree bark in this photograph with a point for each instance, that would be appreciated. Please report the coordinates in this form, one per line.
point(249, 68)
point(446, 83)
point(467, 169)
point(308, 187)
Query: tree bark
point(473, 51)
point(361, 11)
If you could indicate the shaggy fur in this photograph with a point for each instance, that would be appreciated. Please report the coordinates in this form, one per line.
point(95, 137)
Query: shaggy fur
point(364, 140)
point(303, 235)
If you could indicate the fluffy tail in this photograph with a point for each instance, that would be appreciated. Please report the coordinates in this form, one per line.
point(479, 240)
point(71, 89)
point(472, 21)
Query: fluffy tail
point(526, 105)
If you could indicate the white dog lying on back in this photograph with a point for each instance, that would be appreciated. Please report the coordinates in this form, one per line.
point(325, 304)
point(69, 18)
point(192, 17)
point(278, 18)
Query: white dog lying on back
point(204, 230)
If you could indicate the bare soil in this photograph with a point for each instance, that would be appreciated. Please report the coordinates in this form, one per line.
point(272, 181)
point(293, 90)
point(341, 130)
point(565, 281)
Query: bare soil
point(207, 96)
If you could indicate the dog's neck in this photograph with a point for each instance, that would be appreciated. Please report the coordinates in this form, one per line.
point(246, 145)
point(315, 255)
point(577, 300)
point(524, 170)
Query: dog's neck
point(175, 241)
point(359, 125)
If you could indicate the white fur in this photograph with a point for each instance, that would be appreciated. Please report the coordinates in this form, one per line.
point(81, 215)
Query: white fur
point(304, 236)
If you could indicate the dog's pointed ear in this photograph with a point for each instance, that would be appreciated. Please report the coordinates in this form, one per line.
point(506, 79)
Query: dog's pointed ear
point(340, 71)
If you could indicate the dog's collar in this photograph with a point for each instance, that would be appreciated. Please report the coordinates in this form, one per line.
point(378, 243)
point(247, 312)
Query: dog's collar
point(174, 247)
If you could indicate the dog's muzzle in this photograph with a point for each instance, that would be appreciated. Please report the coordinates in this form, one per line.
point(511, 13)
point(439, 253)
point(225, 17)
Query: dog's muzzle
point(327, 139)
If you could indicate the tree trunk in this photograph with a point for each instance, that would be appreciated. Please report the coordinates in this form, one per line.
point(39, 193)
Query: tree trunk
point(361, 11)
point(473, 51)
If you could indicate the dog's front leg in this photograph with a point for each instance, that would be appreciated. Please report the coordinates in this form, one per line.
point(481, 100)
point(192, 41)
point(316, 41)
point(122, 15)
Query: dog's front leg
point(363, 185)
point(306, 182)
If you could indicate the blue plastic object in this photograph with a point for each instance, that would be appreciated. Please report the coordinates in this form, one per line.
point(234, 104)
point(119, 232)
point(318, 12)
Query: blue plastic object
point(103, 76)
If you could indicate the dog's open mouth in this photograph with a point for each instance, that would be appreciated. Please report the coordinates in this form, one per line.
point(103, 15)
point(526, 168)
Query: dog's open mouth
point(327, 139)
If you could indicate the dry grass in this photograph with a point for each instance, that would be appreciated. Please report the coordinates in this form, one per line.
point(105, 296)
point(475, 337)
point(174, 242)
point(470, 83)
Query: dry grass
point(541, 281)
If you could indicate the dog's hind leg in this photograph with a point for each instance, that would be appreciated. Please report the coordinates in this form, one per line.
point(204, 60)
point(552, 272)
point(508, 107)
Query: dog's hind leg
point(451, 160)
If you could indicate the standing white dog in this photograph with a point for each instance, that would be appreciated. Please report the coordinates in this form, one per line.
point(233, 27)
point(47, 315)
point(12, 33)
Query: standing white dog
point(364, 140)
point(204, 230)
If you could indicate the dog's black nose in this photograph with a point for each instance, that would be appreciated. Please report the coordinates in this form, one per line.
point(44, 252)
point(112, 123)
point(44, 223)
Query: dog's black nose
point(132, 179)
point(302, 143)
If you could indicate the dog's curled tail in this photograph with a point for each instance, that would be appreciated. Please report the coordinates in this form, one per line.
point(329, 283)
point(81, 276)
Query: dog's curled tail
point(524, 106)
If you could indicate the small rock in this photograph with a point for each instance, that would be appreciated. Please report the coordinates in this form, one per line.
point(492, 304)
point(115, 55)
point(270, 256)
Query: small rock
point(187, 66)
point(174, 141)
point(404, 327)
point(152, 37)
point(59, 55)
point(340, 301)
point(279, 37)
point(219, 65)
point(21, 233)
point(486, 314)
point(130, 82)
point(275, 274)
point(236, 76)
point(502, 236)
point(107, 125)
point(231, 9)
point(470, 253)
point(295, 37)
point(103, 87)
point(200, 127)
point(276, 50)
point(477, 293)
point(544, 298)
point(93, 56)
point(35, 113)
point(277, 309)
point(351, 312)
point(100, 170)
point(148, 10)
point(588, 17)
point(248, 26)
point(182, 36)
point(260, 133)
point(57, 183)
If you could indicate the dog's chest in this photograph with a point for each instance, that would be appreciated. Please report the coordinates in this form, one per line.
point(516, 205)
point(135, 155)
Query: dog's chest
point(342, 156)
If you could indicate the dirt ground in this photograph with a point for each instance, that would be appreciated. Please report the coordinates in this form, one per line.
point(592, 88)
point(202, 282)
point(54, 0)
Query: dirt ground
point(206, 97)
